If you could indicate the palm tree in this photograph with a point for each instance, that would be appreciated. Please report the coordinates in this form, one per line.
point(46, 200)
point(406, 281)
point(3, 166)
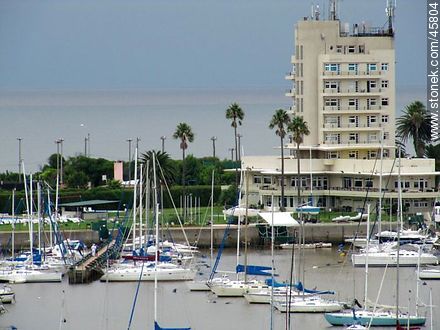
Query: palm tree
point(164, 165)
point(298, 127)
point(280, 120)
point(235, 112)
point(415, 124)
point(185, 134)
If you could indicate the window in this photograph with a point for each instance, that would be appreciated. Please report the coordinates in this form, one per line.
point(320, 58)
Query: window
point(386, 135)
point(369, 183)
point(386, 153)
point(372, 137)
point(372, 154)
point(338, 49)
point(257, 179)
point(358, 182)
point(371, 121)
point(385, 101)
point(333, 155)
point(332, 67)
point(351, 49)
point(372, 83)
point(384, 66)
point(371, 103)
point(332, 138)
point(353, 154)
point(331, 84)
point(420, 203)
point(384, 118)
point(371, 67)
point(353, 67)
point(353, 121)
point(384, 84)
point(353, 137)
point(331, 102)
point(267, 180)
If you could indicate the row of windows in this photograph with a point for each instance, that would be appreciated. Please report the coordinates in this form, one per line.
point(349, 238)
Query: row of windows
point(336, 102)
point(354, 67)
point(354, 85)
point(354, 154)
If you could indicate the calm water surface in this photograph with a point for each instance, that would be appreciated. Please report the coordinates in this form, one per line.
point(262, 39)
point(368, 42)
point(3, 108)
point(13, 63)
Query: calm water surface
point(108, 306)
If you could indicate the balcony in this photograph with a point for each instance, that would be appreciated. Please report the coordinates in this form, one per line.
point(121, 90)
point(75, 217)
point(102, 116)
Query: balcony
point(351, 109)
point(351, 127)
point(352, 74)
point(347, 142)
point(290, 76)
point(290, 93)
point(351, 92)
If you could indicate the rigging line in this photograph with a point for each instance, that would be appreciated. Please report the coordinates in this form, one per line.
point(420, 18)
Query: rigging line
point(135, 296)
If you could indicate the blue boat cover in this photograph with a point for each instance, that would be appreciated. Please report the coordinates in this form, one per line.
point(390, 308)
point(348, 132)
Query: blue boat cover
point(254, 270)
point(158, 327)
point(299, 286)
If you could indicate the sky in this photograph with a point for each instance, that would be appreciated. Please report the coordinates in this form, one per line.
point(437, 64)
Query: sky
point(170, 58)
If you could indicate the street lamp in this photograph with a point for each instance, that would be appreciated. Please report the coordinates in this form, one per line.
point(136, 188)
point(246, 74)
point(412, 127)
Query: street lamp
point(239, 136)
point(19, 159)
point(213, 145)
point(129, 159)
point(163, 138)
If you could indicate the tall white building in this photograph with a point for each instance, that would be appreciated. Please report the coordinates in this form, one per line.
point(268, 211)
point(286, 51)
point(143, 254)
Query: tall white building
point(343, 85)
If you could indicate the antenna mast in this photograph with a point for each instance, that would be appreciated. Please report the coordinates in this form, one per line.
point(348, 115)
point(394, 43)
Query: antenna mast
point(333, 10)
point(391, 6)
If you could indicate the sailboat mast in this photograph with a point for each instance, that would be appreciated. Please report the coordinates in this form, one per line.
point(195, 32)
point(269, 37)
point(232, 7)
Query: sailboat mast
point(400, 219)
point(31, 222)
point(380, 185)
point(134, 198)
point(366, 257)
point(141, 209)
point(239, 221)
point(156, 218)
point(212, 218)
point(13, 224)
point(39, 215)
point(147, 200)
point(246, 226)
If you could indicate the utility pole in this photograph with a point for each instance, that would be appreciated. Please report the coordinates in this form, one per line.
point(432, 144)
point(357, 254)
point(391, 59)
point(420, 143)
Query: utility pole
point(61, 164)
point(213, 145)
point(20, 160)
point(58, 141)
point(163, 138)
point(88, 144)
point(129, 159)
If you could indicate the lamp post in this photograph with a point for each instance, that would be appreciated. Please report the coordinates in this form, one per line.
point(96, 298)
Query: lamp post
point(239, 136)
point(129, 159)
point(232, 153)
point(213, 146)
point(163, 138)
point(19, 158)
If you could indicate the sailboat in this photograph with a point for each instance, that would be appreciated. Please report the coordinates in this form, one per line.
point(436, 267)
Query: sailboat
point(379, 317)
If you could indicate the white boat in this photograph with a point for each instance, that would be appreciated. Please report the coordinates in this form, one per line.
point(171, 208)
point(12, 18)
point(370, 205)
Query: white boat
point(341, 218)
point(360, 216)
point(315, 304)
point(360, 242)
point(29, 276)
point(164, 272)
point(236, 288)
point(429, 274)
point(319, 245)
point(263, 296)
point(7, 295)
point(384, 258)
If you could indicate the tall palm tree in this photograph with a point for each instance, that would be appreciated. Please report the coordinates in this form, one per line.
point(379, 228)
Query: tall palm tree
point(185, 134)
point(415, 124)
point(163, 165)
point(298, 127)
point(281, 120)
point(235, 112)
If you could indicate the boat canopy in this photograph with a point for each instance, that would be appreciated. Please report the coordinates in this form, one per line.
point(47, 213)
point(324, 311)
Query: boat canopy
point(238, 211)
point(299, 286)
point(254, 270)
point(279, 219)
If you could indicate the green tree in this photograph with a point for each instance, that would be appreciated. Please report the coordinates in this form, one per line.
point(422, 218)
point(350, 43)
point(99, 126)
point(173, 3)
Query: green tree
point(280, 120)
point(236, 114)
point(415, 124)
point(298, 127)
point(164, 165)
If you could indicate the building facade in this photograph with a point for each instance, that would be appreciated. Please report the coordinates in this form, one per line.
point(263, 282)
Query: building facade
point(343, 85)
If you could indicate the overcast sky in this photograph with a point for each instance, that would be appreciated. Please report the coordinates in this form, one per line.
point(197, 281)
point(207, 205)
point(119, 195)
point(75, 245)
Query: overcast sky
point(126, 44)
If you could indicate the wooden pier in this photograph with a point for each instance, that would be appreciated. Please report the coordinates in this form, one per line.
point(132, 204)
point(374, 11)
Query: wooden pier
point(89, 268)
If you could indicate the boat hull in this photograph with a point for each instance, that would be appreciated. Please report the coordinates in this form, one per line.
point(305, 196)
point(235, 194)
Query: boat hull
point(310, 305)
point(129, 275)
point(384, 259)
point(376, 319)
point(429, 274)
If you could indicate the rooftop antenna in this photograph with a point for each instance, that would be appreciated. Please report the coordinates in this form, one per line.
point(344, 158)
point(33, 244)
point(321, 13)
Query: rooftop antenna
point(332, 9)
point(391, 6)
point(317, 13)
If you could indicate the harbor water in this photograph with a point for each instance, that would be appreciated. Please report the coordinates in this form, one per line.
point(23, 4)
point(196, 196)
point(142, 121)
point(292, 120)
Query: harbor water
point(101, 305)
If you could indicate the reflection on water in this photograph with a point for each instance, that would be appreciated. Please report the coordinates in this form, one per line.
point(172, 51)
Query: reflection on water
point(108, 306)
